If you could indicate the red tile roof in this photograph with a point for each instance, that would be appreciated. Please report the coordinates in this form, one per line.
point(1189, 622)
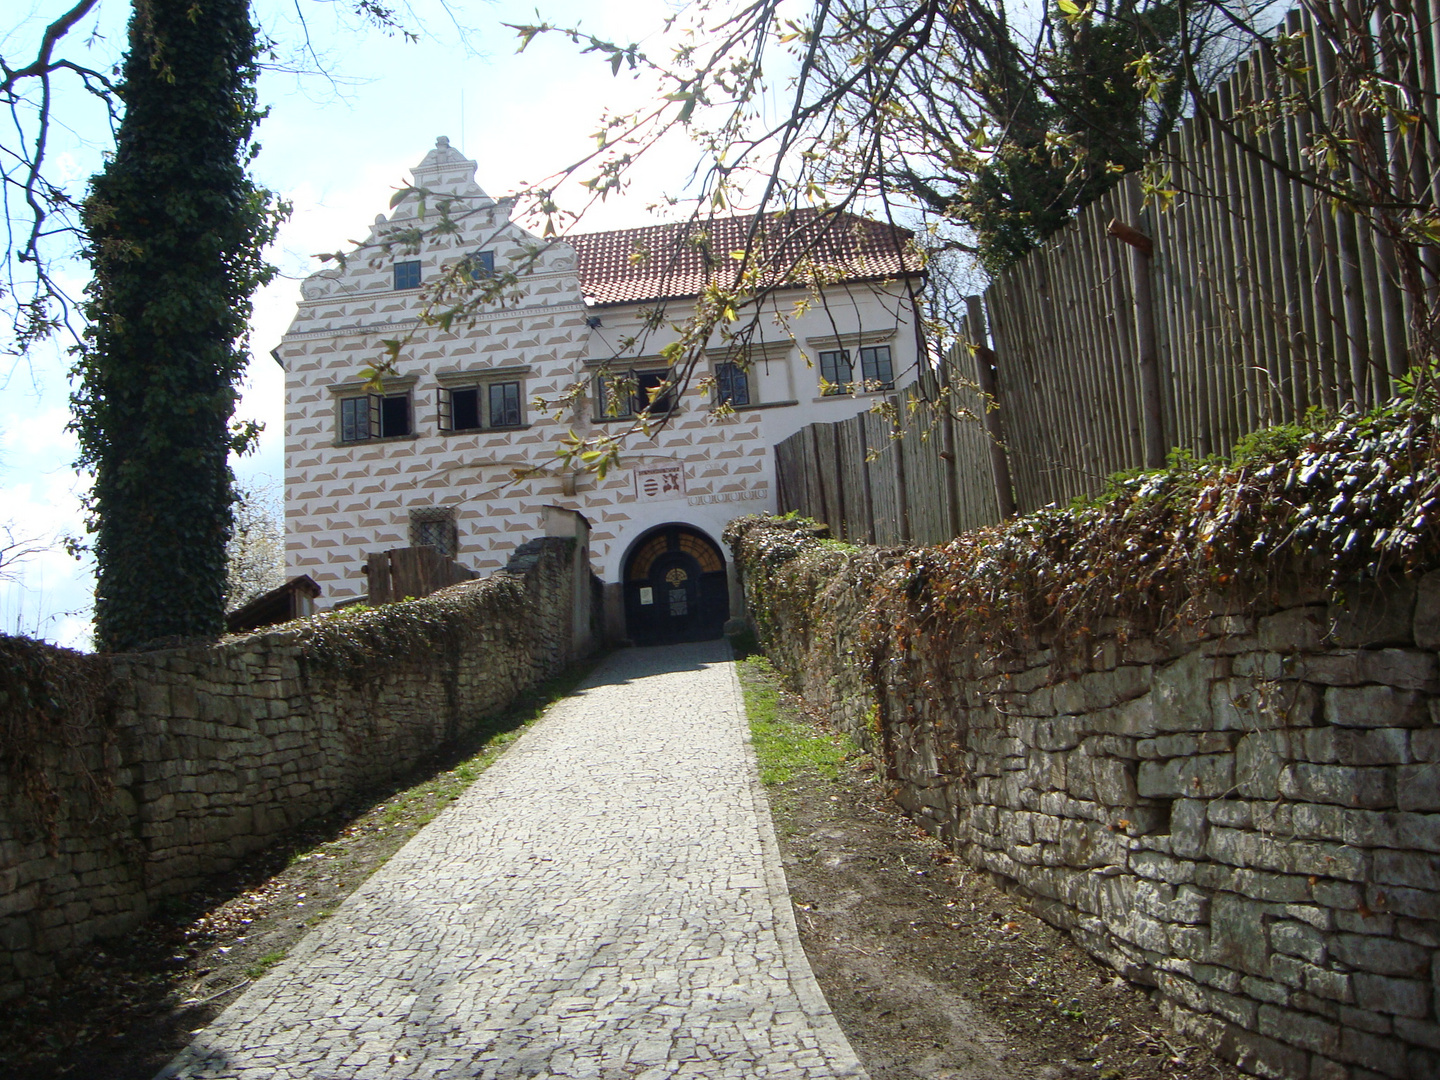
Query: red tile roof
point(662, 262)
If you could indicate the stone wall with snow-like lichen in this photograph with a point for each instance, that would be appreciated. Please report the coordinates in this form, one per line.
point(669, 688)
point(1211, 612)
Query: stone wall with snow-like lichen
point(125, 779)
point(1243, 813)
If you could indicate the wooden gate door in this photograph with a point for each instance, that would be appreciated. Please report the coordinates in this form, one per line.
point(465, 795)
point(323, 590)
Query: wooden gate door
point(675, 588)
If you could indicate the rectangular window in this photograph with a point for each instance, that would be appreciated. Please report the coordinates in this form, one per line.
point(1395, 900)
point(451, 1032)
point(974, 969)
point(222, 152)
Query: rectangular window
point(505, 405)
point(835, 372)
point(434, 526)
point(482, 407)
point(631, 393)
point(732, 384)
point(464, 409)
point(407, 275)
point(354, 419)
point(479, 264)
point(875, 368)
point(645, 382)
point(374, 416)
point(394, 415)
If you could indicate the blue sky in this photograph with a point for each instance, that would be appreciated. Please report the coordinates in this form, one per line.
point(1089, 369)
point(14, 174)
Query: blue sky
point(335, 146)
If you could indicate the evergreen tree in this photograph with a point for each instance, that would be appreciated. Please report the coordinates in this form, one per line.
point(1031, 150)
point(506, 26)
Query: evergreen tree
point(174, 229)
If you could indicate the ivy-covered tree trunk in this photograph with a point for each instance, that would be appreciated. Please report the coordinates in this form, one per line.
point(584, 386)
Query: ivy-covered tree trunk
point(175, 229)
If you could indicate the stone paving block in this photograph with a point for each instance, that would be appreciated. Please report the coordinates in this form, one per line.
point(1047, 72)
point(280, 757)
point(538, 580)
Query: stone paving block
point(583, 907)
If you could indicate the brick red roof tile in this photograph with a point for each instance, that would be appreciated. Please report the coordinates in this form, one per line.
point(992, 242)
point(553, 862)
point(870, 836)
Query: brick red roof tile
point(661, 262)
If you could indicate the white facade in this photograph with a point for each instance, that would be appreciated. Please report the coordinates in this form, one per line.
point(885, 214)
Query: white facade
point(350, 491)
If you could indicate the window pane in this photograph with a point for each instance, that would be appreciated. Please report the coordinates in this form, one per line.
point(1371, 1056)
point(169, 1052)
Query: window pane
point(354, 419)
point(434, 526)
point(395, 416)
point(612, 392)
point(645, 381)
point(407, 275)
point(480, 264)
point(505, 404)
point(732, 383)
point(875, 365)
point(465, 409)
point(835, 369)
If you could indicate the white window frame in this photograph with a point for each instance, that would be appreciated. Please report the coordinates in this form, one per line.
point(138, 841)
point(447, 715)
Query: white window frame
point(853, 347)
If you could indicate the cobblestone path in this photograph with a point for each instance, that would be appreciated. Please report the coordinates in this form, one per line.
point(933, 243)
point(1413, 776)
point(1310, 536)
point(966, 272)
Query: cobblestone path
point(605, 901)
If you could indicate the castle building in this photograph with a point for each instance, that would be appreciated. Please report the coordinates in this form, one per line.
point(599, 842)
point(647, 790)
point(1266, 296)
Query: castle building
point(454, 452)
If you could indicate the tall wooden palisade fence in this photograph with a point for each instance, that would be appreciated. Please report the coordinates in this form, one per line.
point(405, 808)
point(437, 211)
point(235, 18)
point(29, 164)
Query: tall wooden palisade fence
point(1266, 299)
point(931, 483)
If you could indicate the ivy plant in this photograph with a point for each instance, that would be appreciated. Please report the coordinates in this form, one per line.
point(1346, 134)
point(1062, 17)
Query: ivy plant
point(174, 231)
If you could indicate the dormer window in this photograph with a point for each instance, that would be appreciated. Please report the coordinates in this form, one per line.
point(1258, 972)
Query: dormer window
point(407, 274)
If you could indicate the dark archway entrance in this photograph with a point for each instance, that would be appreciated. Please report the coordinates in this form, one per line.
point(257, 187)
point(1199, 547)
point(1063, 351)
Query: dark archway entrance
point(675, 587)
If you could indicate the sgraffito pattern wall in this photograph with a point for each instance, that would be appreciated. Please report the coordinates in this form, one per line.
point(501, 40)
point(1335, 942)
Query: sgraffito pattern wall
point(1242, 812)
point(132, 777)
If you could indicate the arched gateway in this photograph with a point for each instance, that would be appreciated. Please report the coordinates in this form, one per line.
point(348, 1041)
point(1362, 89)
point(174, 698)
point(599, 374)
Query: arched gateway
point(675, 587)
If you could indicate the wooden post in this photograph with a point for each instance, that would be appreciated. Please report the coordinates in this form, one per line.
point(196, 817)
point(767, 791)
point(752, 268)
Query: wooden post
point(377, 569)
point(867, 493)
point(990, 402)
point(902, 486)
point(819, 509)
point(1141, 249)
point(949, 465)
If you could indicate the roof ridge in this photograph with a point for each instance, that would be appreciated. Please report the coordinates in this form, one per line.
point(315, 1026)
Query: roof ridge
point(836, 214)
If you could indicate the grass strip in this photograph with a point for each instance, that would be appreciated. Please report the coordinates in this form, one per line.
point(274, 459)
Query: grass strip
point(786, 746)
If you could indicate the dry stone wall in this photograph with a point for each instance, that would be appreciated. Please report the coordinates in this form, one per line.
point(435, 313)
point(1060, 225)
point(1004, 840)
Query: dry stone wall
point(1244, 815)
point(133, 777)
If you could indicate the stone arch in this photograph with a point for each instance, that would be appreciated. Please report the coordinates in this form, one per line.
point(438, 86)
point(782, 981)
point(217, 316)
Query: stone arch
point(675, 586)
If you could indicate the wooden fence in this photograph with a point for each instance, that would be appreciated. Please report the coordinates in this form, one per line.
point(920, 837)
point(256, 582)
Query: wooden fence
point(1245, 303)
point(410, 573)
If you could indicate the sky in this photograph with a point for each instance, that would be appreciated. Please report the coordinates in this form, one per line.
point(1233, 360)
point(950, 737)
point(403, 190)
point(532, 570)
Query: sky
point(336, 145)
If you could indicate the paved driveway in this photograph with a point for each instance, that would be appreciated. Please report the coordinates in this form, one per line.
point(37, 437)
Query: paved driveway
point(605, 901)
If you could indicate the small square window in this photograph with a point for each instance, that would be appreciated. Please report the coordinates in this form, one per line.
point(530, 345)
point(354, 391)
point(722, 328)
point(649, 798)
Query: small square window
point(732, 384)
point(434, 527)
point(836, 373)
point(875, 368)
point(407, 275)
point(478, 265)
point(645, 383)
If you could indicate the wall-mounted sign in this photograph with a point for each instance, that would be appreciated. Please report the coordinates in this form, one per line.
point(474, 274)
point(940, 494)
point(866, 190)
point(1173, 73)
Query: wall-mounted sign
point(660, 482)
point(730, 496)
point(647, 594)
